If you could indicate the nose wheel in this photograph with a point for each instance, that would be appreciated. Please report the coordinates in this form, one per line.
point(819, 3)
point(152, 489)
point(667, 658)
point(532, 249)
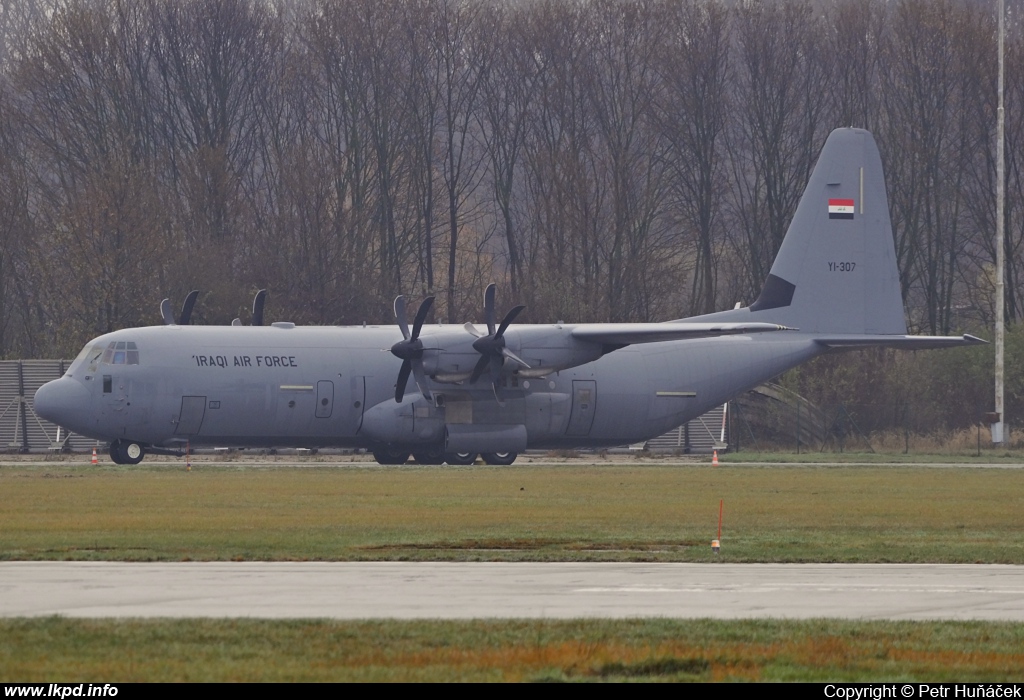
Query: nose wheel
point(126, 452)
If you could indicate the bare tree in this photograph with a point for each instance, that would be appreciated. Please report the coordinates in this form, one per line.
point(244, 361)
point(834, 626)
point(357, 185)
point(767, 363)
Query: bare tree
point(693, 116)
point(929, 56)
point(508, 93)
point(784, 68)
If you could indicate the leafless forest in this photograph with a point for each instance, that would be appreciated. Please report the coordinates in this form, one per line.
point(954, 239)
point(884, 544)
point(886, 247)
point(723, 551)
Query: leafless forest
point(602, 160)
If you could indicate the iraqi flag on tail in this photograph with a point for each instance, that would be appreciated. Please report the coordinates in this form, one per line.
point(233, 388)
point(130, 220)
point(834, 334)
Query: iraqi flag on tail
point(840, 208)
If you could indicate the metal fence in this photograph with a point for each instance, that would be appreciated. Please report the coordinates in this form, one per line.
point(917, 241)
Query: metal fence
point(772, 418)
point(21, 429)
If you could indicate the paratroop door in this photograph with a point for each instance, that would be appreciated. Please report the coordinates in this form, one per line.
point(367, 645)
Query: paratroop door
point(584, 402)
point(190, 420)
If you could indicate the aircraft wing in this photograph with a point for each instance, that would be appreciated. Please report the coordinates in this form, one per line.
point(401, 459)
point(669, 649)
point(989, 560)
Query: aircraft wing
point(900, 342)
point(632, 333)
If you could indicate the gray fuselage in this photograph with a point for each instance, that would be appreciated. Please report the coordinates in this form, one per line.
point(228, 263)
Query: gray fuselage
point(334, 386)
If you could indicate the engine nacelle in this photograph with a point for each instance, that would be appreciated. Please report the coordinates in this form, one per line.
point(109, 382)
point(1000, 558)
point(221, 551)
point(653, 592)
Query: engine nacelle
point(546, 349)
point(415, 420)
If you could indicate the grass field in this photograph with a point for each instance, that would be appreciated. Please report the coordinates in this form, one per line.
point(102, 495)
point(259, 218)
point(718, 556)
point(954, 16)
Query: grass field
point(649, 512)
point(581, 650)
point(565, 513)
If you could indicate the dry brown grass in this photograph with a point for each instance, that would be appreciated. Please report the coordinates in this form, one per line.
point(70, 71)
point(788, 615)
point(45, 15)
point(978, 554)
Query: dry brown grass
point(304, 650)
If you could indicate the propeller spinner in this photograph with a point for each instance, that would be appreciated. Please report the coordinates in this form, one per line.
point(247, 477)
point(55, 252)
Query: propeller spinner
point(410, 350)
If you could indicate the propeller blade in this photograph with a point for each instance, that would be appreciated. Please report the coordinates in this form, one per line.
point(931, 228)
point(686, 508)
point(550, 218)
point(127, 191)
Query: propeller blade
point(509, 317)
point(186, 308)
point(512, 356)
point(257, 307)
point(471, 329)
point(421, 316)
point(403, 378)
point(496, 364)
point(400, 316)
point(420, 377)
point(489, 307)
point(236, 322)
point(165, 312)
point(481, 365)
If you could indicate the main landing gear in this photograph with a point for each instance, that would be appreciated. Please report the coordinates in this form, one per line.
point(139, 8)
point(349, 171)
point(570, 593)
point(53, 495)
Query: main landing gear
point(126, 452)
point(398, 456)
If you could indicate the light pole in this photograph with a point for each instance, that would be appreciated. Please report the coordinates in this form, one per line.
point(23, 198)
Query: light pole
point(999, 431)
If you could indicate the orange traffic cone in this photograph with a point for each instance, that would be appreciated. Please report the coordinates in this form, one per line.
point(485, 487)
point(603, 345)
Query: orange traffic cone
point(94, 460)
point(714, 458)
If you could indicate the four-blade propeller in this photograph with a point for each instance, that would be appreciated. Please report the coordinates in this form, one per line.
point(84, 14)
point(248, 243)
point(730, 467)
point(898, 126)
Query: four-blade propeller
point(491, 347)
point(410, 349)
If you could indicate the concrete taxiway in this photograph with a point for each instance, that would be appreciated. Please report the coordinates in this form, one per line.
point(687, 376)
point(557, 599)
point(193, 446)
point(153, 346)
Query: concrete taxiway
point(401, 590)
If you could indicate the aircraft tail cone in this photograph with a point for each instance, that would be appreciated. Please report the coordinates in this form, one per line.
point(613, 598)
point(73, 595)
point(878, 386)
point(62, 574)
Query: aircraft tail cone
point(94, 459)
point(714, 458)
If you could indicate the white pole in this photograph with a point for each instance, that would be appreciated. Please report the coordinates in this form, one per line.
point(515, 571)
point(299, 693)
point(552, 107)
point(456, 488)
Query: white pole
point(999, 431)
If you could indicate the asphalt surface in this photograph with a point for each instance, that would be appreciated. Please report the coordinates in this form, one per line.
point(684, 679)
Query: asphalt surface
point(403, 590)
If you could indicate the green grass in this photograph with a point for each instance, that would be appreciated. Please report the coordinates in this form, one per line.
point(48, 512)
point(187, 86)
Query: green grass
point(542, 513)
point(102, 651)
point(1001, 457)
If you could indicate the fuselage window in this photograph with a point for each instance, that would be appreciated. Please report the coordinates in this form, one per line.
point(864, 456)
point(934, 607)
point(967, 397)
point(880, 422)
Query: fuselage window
point(108, 384)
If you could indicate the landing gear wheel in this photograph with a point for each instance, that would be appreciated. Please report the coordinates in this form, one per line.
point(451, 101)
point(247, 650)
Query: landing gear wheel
point(386, 456)
point(126, 452)
point(428, 457)
point(133, 452)
point(499, 458)
point(460, 457)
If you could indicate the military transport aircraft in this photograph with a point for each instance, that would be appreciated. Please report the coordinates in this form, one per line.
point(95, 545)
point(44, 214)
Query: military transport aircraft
point(499, 390)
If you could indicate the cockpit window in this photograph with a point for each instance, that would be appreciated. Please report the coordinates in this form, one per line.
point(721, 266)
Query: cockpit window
point(86, 352)
point(121, 353)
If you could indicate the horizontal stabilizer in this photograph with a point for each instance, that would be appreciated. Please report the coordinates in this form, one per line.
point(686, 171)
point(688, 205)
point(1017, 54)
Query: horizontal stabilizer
point(900, 342)
point(632, 333)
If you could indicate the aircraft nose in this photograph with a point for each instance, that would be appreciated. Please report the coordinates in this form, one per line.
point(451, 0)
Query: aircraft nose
point(63, 401)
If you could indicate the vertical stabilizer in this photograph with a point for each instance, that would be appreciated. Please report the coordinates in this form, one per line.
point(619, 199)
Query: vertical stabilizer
point(836, 269)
